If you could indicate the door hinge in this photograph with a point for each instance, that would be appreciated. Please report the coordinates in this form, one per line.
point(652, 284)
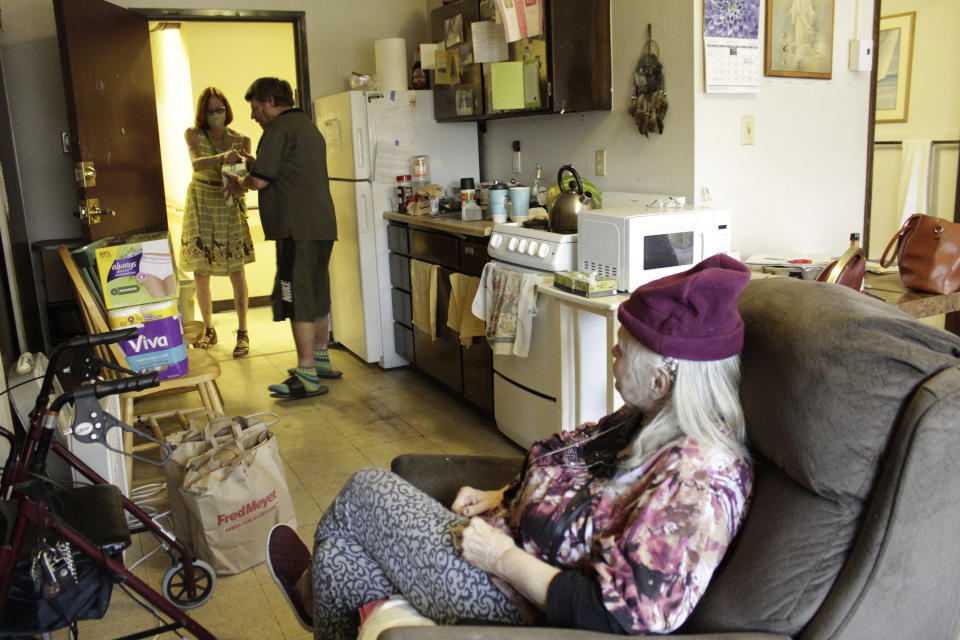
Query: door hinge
point(85, 174)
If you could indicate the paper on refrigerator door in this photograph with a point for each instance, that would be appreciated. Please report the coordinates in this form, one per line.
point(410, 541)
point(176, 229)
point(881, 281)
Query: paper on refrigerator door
point(392, 161)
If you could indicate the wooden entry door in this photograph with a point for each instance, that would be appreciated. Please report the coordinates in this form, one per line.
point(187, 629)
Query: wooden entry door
point(111, 107)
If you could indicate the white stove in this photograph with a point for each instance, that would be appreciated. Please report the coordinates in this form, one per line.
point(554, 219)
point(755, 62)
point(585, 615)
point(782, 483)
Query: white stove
point(533, 248)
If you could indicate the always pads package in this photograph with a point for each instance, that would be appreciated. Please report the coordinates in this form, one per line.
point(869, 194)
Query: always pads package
point(136, 270)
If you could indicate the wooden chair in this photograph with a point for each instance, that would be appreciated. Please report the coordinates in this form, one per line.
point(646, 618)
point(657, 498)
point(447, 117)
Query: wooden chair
point(202, 368)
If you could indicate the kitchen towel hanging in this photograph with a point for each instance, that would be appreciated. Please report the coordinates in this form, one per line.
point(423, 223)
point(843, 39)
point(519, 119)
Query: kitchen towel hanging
point(507, 301)
point(423, 291)
point(914, 189)
point(460, 318)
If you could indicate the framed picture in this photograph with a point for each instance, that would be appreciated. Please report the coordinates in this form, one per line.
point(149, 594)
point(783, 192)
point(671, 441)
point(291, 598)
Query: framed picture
point(894, 59)
point(799, 42)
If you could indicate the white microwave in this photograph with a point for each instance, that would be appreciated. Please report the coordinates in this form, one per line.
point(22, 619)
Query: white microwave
point(637, 244)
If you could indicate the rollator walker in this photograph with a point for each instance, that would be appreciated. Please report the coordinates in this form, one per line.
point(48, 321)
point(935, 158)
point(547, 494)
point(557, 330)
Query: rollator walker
point(65, 545)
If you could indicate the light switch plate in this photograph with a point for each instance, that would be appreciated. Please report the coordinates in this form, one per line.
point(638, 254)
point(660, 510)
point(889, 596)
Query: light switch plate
point(746, 129)
point(600, 160)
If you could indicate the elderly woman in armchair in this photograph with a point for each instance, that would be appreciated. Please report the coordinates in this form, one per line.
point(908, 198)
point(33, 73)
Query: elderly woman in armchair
point(617, 526)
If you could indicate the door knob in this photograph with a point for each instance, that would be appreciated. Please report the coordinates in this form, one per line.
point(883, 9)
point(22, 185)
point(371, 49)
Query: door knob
point(90, 211)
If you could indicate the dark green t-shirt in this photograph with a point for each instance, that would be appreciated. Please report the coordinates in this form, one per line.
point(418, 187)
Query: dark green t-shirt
point(292, 157)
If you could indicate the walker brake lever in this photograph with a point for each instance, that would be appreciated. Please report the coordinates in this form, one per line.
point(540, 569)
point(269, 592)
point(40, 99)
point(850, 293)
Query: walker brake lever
point(91, 423)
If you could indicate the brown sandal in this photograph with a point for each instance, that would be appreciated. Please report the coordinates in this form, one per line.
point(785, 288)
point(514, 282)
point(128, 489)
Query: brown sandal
point(208, 339)
point(243, 344)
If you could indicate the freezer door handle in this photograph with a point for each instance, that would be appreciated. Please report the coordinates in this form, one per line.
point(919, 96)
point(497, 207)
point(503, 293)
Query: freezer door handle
point(362, 215)
point(359, 149)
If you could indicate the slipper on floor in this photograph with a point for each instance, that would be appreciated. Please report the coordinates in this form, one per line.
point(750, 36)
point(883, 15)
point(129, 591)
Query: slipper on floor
point(292, 388)
point(331, 374)
point(287, 558)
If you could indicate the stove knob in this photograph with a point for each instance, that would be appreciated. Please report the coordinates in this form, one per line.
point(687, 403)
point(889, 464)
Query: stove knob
point(512, 244)
point(544, 250)
point(495, 241)
point(532, 249)
point(523, 245)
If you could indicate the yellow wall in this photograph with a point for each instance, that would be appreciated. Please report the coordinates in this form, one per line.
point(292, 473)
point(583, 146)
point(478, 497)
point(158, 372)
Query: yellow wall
point(228, 56)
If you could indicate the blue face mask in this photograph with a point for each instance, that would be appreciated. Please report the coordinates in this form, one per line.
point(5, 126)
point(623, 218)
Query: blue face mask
point(217, 119)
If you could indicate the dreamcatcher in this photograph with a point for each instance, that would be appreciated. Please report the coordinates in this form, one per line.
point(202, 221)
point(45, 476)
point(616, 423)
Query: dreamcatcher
point(648, 105)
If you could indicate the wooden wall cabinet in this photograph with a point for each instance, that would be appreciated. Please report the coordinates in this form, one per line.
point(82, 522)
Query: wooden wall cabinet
point(467, 370)
point(575, 76)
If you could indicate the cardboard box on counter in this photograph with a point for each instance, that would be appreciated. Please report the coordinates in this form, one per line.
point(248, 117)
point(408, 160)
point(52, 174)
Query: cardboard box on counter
point(581, 284)
point(137, 269)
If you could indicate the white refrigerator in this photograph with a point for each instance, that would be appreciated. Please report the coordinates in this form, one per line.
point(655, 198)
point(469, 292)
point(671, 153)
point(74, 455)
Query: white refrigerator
point(371, 138)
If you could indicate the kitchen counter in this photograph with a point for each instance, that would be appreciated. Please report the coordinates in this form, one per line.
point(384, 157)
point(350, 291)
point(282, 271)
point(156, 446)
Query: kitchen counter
point(449, 223)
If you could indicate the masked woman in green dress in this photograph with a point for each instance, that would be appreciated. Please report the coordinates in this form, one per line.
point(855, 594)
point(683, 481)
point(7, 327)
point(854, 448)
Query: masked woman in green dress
point(216, 237)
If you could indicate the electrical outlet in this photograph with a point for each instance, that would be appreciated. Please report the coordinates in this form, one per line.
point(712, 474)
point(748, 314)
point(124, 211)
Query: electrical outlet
point(600, 160)
point(746, 129)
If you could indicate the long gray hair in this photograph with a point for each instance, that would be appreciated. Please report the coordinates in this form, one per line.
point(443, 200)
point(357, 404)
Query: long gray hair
point(704, 402)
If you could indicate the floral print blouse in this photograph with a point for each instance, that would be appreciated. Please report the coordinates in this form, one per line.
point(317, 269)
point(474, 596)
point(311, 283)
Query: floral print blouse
point(650, 536)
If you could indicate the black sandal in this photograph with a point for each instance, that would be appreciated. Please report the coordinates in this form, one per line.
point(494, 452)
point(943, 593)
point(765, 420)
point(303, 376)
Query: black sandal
point(243, 344)
point(208, 339)
point(294, 389)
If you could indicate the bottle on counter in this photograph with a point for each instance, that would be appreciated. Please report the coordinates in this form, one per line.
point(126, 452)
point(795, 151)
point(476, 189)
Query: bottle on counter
point(418, 76)
point(469, 209)
point(404, 193)
point(538, 189)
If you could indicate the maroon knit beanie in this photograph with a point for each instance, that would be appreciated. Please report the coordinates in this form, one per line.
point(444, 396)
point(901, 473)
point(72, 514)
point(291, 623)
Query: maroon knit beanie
point(691, 315)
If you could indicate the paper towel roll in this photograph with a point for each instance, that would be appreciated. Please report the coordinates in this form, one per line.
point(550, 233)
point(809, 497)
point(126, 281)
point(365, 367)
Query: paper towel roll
point(391, 55)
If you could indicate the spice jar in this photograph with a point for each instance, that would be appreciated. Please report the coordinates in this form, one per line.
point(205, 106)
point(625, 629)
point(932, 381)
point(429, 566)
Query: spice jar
point(404, 193)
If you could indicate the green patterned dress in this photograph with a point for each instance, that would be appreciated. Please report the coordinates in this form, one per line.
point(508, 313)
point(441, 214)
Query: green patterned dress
point(216, 238)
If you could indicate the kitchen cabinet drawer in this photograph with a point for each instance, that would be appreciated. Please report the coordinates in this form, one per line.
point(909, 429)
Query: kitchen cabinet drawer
point(439, 248)
point(402, 307)
point(400, 271)
point(403, 342)
point(441, 358)
point(473, 255)
point(398, 238)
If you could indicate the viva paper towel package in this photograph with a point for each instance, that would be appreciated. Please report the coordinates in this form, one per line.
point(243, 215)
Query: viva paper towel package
point(159, 344)
point(138, 269)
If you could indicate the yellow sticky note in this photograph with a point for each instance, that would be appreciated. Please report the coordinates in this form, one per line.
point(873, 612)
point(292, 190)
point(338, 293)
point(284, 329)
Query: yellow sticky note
point(515, 84)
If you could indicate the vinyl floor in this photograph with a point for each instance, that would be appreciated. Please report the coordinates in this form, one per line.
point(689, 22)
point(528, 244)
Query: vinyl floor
point(368, 417)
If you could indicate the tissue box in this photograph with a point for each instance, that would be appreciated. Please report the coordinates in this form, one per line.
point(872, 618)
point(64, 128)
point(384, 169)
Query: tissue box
point(137, 269)
point(579, 283)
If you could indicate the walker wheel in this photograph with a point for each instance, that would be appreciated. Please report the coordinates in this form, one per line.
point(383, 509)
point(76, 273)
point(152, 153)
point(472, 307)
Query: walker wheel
point(175, 589)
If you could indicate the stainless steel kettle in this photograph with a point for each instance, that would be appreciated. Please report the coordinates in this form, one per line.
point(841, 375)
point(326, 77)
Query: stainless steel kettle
point(566, 206)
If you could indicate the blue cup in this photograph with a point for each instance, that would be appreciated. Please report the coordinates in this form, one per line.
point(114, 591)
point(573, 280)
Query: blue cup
point(498, 203)
point(520, 202)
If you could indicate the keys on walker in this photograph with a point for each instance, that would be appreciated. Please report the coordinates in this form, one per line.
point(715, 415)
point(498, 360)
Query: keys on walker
point(52, 569)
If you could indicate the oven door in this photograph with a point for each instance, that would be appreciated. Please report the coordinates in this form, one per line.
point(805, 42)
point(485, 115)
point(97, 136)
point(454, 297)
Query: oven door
point(539, 371)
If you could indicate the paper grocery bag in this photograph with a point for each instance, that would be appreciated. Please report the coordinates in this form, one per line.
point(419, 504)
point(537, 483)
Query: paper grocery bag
point(207, 429)
point(235, 494)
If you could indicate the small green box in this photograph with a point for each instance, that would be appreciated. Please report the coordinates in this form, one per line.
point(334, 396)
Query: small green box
point(579, 283)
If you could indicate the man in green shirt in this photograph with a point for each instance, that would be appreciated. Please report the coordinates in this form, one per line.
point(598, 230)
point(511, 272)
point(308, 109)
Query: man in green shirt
point(296, 210)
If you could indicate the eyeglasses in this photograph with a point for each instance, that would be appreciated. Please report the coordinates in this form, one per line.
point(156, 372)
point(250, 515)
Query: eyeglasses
point(217, 110)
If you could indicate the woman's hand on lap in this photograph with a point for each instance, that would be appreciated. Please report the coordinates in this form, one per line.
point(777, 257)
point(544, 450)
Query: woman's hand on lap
point(484, 546)
point(473, 502)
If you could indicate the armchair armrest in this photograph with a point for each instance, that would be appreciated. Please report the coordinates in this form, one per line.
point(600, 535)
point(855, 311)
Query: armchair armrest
point(441, 476)
point(505, 632)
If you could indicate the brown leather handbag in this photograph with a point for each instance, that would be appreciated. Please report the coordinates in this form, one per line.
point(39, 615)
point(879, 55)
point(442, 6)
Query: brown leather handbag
point(928, 253)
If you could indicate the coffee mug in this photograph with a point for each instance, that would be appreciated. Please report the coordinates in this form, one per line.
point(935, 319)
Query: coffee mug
point(498, 205)
point(520, 201)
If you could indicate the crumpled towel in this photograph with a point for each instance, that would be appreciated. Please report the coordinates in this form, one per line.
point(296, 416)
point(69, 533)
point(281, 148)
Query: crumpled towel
point(914, 187)
point(423, 292)
point(460, 318)
point(507, 302)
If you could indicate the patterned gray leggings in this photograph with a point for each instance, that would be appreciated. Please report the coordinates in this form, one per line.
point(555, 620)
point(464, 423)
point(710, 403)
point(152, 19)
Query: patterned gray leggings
point(383, 536)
